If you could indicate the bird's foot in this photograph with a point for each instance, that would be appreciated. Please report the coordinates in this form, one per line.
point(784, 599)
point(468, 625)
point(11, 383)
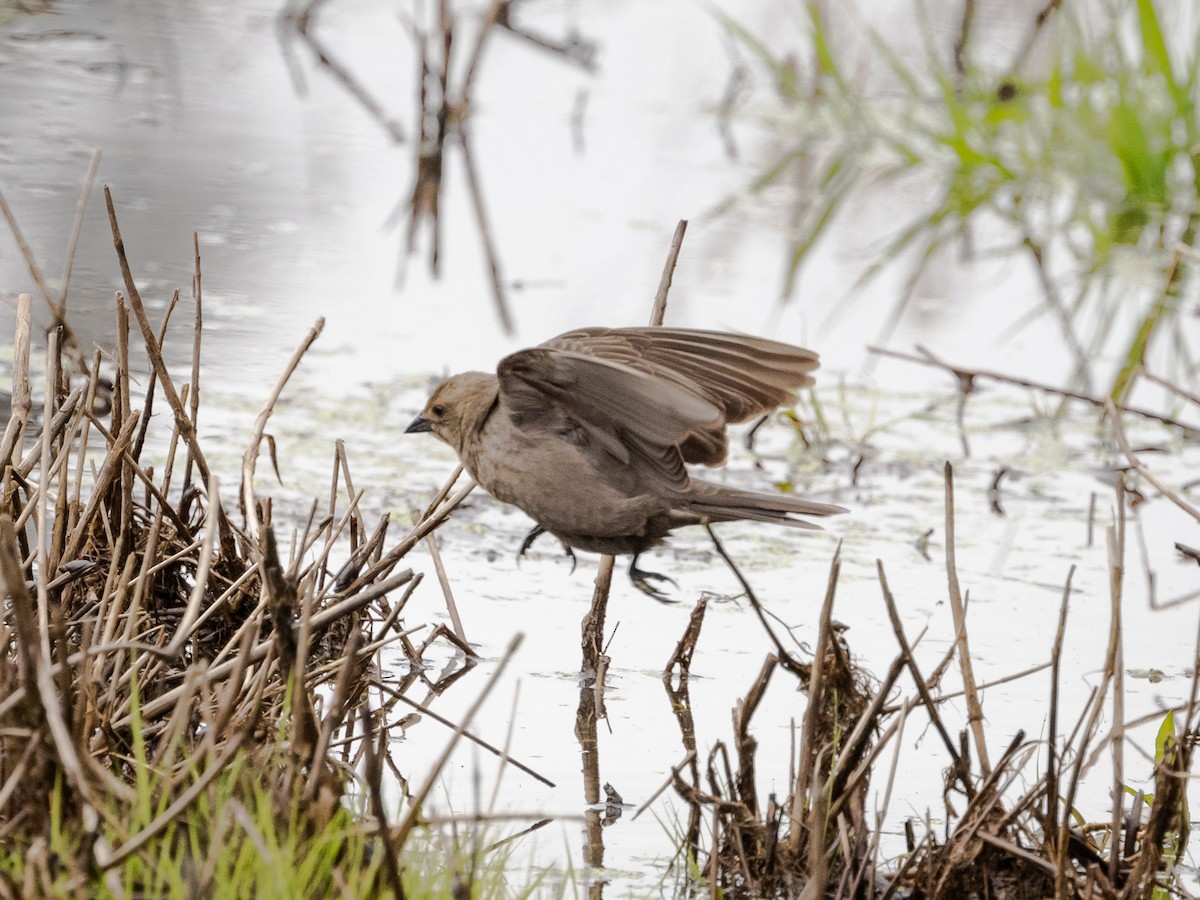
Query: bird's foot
point(536, 532)
point(571, 553)
point(641, 580)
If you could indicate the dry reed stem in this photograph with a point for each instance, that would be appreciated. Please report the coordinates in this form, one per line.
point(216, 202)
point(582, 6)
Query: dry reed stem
point(1115, 669)
point(490, 254)
point(592, 629)
point(681, 658)
point(1169, 385)
point(329, 530)
point(851, 765)
point(250, 457)
point(1052, 759)
point(664, 285)
point(60, 310)
point(959, 770)
point(809, 735)
point(444, 582)
point(1092, 714)
point(30, 262)
point(374, 777)
point(43, 508)
point(22, 404)
point(505, 751)
point(958, 610)
point(430, 521)
point(153, 349)
point(148, 396)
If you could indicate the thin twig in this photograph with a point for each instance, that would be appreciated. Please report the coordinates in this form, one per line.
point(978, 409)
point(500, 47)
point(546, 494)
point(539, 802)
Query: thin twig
point(960, 372)
point(250, 457)
point(1114, 416)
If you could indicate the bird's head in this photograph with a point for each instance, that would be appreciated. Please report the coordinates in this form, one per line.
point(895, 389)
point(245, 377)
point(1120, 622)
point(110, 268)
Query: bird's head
point(456, 407)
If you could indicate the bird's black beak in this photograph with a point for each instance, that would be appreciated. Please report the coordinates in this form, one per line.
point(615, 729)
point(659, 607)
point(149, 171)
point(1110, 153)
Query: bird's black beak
point(417, 425)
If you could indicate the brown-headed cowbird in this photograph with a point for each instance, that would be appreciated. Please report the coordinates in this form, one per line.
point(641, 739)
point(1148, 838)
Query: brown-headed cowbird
point(590, 432)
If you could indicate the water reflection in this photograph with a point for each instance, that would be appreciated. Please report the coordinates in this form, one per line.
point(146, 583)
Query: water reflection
point(202, 128)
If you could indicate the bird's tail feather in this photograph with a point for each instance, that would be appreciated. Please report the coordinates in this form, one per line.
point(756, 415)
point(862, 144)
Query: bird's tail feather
point(720, 503)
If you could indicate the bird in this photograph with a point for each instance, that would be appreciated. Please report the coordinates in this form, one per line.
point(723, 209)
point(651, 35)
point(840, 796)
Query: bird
point(591, 433)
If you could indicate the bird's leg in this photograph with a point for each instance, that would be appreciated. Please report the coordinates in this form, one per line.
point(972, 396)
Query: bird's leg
point(536, 532)
point(641, 580)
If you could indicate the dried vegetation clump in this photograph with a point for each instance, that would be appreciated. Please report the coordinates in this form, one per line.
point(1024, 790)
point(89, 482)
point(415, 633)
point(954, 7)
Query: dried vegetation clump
point(1002, 837)
point(176, 694)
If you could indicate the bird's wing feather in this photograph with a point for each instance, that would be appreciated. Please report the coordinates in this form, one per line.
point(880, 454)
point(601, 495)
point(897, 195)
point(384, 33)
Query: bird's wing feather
point(662, 395)
point(627, 411)
point(742, 374)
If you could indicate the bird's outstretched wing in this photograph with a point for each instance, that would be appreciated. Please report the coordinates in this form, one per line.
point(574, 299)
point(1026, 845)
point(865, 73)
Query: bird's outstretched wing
point(744, 375)
point(663, 395)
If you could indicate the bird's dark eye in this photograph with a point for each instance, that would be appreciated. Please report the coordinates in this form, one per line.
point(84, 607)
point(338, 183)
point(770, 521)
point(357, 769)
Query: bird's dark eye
point(438, 410)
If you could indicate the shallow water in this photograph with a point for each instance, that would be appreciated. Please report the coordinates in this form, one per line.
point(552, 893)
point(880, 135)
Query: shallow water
point(202, 128)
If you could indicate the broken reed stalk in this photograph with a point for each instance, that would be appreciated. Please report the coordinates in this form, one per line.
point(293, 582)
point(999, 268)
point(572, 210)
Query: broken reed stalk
point(1114, 670)
point(439, 568)
point(681, 658)
point(197, 343)
point(1052, 759)
point(35, 271)
point(811, 740)
point(659, 312)
point(85, 193)
point(22, 403)
point(958, 608)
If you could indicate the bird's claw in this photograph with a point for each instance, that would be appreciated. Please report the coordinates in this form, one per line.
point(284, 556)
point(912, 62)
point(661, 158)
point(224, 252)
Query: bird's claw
point(536, 532)
point(641, 580)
